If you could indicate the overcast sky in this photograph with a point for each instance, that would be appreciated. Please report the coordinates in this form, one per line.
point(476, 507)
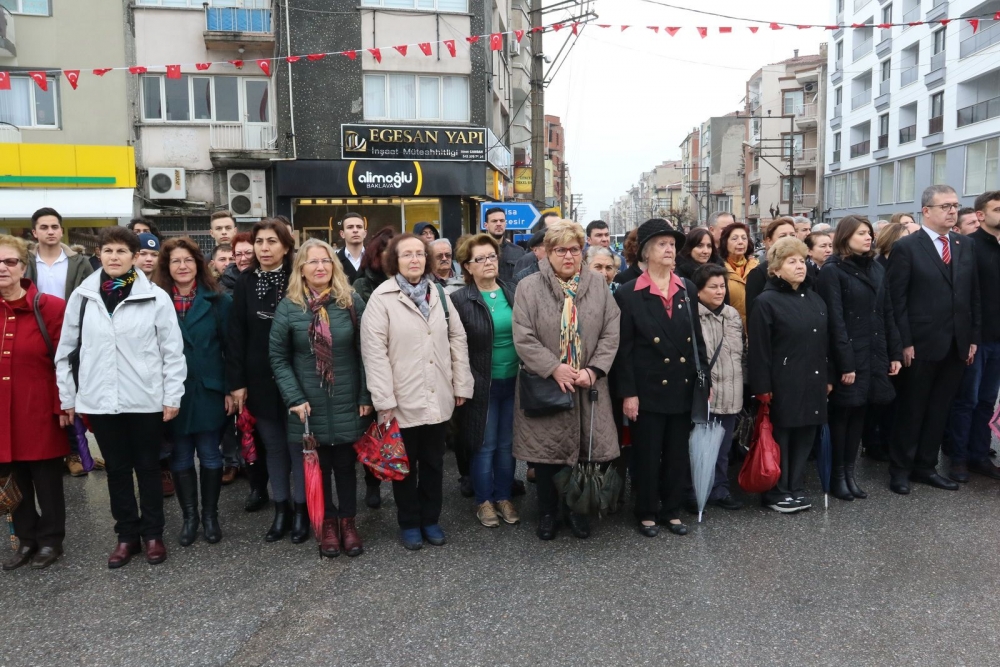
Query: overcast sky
point(628, 99)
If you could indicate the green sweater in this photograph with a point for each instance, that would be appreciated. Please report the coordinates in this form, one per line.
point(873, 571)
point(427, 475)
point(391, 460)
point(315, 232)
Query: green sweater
point(505, 360)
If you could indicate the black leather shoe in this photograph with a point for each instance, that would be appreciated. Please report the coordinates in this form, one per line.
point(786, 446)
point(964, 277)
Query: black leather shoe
point(838, 485)
point(900, 485)
point(282, 522)
point(45, 557)
point(959, 472)
point(256, 500)
point(373, 497)
point(935, 480)
point(517, 488)
point(547, 527)
point(21, 557)
point(727, 503)
point(649, 531)
point(676, 528)
point(579, 525)
point(465, 486)
point(300, 524)
point(985, 468)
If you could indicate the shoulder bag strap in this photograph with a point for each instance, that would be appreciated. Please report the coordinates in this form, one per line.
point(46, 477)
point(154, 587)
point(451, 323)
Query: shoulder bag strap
point(694, 340)
point(444, 301)
point(41, 324)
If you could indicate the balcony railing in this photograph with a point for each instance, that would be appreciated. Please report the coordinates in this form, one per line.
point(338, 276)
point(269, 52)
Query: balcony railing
point(937, 61)
point(241, 137)
point(858, 4)
point(935, 125)
point(908, 76)
point(884, 34)
point(804, 157)
point(754, 176)
point(836, 155)
point(805, 200)
point(237, 19)
point(863, 48)
point(861, 99)
point(883, 141)
point(973, 114)
point(861, 148)
point(883, 87)
point(804, 111)
point(9, 134)
point(908, 134)
point(983, 39)
point(837, 110)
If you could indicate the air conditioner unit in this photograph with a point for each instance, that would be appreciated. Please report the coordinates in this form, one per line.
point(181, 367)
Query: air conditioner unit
point(247, 193)
point(167, 183)
point(809, 87)
point(515, 47)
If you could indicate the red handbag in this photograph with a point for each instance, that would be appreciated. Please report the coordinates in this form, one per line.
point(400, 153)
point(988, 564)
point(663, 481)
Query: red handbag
point(762, 466)
point(381, 450)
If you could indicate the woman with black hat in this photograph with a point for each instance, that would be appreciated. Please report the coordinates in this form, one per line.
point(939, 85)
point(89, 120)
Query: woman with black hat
point(660, 336)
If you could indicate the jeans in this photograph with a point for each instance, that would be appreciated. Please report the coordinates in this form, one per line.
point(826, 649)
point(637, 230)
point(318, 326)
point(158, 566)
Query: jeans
point(418, 496)
point(279, 461)
point(969, 421)
point(205, 443)
point(493, 465)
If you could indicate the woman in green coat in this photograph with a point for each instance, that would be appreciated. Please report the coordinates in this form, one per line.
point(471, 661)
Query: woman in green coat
point(316, 359)
point(202, 311)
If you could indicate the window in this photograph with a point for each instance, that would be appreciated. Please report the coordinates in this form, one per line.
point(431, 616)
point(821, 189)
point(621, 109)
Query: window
point(838, 95)
point(883, 124)
point(796, 140)
point(937, 105)
point(26, 105)
point(792, 102)
point(205, 99)
point(839, 187)
point(939, 172)
point(907, 171)
point(981, 173)
point(886, 184)
point(938, 42)
point(430, 5)
point(35, 7)
point(887, 14)
point(796, 184)
point(858, 188)
point(886, 69)
point(840, 53)
point(248, 4)
point(836, 141)
point(413, 97)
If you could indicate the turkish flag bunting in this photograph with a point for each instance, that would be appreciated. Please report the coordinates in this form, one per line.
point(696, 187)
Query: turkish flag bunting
point(576, 28)
point(401, 49)
point(293, 59)
point(754, 29)
point(975, 25)
point(376, 54)
point(450, 45)
point(102, 72)
point(4, 80)
point(725, 29)
point(803, 27)
point(496, 41)
point(238, 64)
point(915, 23)
point(833, 27)
point(996, 17)
point(624, 28)
point(265, 66)
point(654, 28)
point(138, 69)
point(40, 79)
point(603, 25)
point(538, 29)
point(775, 26)
point(473, 39)
point(351, 54)
point(201, 67)
point(703, 32)
point(518, 34)
point(857, 25)
point(173, 71)
point(557, 26)
point(314, 57)
point(425, 47)
point(73, 76)
point(671, 31)
point(944, 21)
point(884, 26)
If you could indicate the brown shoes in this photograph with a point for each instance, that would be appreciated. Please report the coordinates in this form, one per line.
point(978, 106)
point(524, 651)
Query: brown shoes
point(156, 552)
point(168, 483)
point(123, 554)
point(19, 558)
point(45, 557)
point(349, 538)
point(329, 544)
point(75, 466)
point(229, 475)
point(487, 515)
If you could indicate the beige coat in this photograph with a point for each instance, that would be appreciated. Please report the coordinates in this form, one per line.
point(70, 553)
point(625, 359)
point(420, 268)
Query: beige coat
point(730, 367)
point(564, 437)
point(415, 367)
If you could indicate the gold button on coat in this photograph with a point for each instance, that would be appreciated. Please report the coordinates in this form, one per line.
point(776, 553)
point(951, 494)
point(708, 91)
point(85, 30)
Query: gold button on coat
point(666, 361)
point(683, 360)
point(655, 340)
point(664, 382)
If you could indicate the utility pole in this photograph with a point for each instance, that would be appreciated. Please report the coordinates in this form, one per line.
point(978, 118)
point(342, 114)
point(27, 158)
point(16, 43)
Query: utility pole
point(537, 107)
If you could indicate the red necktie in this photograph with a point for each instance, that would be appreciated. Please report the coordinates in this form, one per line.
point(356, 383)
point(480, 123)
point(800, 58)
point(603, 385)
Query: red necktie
point(945, 250)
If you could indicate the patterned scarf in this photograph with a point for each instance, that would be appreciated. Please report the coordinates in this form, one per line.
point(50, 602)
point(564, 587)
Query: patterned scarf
point(569, 327)
point(740, 266)
point(419, 293)
point(320, 338)
point(268, 279)
point(116, 290)
point(182, 304)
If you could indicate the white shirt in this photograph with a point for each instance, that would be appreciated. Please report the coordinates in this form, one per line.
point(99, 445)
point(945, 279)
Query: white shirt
point(935, 239)
point(52, 279)
point(356, 263)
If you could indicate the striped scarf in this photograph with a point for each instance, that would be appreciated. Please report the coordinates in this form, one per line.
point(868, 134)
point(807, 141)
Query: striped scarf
point(569, 327)
point(320, 338)
point(182, 304)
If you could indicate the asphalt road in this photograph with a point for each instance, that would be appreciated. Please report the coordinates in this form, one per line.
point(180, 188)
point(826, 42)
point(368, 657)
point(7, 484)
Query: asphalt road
point(887, 581)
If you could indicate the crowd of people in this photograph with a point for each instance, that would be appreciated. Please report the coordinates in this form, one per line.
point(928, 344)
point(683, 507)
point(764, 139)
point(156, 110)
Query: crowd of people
point(560, 353)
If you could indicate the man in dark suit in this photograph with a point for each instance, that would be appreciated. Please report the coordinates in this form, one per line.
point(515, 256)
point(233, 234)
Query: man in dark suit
point(936, 303)
point(353, 232)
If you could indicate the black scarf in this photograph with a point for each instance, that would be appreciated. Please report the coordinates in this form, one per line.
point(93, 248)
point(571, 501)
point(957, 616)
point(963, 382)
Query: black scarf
point(268, 280)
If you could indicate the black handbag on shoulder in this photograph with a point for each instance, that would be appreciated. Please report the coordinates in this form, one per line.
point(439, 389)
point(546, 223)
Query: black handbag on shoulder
point(541, 397)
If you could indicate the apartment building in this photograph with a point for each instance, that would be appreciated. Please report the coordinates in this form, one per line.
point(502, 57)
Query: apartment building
point(934, 115)
point(693, 181)
point(783, 170)
point(721, 152)
point(555, 151)
point(60, 147)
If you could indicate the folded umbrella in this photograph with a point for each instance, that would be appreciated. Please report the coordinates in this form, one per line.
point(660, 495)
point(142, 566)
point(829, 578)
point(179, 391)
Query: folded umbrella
point(82, 445)
point(586, 488)
point(314, 482)
point(246, 422)
point(703, 450)
point(824, 461)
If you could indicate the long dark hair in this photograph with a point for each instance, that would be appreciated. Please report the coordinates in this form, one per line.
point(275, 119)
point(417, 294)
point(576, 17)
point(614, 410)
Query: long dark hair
point(724, 239)
point(693, 239)
point(374, 249)
point(161, 274)
point(280, 228)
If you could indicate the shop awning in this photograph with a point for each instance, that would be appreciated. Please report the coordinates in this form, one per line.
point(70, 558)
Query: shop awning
point(18, 204)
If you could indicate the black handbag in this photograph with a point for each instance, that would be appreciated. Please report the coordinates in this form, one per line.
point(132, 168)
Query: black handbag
point(541, 397)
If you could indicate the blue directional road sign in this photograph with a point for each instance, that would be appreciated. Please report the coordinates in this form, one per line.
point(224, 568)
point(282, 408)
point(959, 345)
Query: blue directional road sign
point(520, 215)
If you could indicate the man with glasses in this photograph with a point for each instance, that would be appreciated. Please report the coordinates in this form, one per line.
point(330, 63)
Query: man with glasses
point(443, 266)
point(934, 287)
point(496, 226)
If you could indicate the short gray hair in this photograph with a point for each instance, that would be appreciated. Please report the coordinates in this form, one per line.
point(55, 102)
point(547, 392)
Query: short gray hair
point(822, 227)
point(714, 218)
point(437, 241)
point(595, 251)
point(927, 199)
point(881, 224)
point(802, 220)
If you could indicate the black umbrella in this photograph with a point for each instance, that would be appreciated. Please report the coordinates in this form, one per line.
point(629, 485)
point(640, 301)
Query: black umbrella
point(588, 489)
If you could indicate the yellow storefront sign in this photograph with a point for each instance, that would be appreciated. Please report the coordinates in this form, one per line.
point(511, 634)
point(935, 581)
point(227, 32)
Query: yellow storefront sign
point(522, 180)
point(66, 166)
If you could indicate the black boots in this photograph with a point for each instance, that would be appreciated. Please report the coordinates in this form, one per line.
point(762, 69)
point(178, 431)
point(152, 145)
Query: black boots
point(300, 524)
point(838, 485)
point(256, 499)
point(852, 486)
point(282, 521)
point(211, 485)
point(186, 486)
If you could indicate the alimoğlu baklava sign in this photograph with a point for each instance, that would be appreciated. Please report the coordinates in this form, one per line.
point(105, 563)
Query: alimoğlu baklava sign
point(392, 142)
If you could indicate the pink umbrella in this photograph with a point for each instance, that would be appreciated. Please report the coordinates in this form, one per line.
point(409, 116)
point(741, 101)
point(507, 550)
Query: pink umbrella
point(245, 422)
point(314, 483)
point(995, 423)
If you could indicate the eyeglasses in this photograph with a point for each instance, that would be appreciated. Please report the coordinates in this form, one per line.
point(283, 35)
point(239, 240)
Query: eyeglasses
point(318, 262)
point(245, 253)
point(491, 258)
point(945, 207)
point(183, 261)
point(443, 255)
point(407, 256)
point(10, 262)
point(562, 252)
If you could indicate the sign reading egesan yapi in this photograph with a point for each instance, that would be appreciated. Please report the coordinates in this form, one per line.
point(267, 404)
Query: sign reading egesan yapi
point(407, 142)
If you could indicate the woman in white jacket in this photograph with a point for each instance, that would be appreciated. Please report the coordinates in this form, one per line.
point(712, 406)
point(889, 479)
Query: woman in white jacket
point(128, 381)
